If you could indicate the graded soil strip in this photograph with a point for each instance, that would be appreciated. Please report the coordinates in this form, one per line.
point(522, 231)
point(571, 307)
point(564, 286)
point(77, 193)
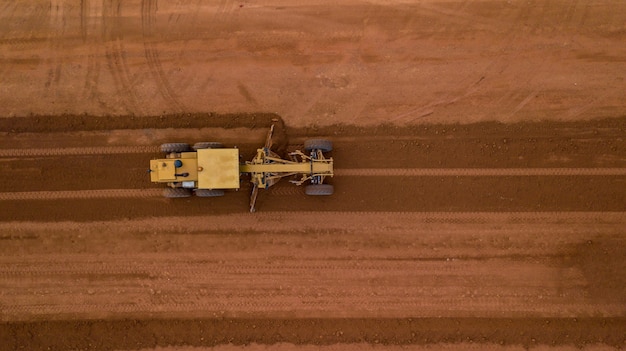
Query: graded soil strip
point(313, 221)
point(272, 284)
point(293, 190)
point(316, 264)
point(505, 334)
point(478, 172)
point(363, 194)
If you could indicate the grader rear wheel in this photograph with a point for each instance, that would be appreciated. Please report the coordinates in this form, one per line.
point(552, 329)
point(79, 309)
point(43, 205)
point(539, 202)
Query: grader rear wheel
point(207, 145)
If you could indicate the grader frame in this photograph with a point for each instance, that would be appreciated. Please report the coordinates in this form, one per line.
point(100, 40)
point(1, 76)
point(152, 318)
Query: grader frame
point(267, 168)
point(210, 169)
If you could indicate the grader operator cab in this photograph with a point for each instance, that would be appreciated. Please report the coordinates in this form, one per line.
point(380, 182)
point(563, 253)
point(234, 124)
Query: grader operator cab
point(207, 169)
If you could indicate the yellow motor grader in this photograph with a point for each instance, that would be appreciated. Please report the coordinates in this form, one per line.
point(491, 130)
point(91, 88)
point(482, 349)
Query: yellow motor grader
point(208, 168)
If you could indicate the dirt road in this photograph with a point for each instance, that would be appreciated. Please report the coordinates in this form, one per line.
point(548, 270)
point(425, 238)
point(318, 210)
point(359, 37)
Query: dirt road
point(480, 175)
point(522, 225)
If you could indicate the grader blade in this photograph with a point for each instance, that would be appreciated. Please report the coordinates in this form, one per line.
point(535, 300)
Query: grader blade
point(268, 140)
point(253, 196)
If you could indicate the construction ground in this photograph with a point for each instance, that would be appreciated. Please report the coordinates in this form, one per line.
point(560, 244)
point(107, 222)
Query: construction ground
point(480, 175)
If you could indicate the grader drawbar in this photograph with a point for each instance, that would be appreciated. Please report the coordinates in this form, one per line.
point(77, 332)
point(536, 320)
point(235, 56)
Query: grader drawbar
point(208, 169)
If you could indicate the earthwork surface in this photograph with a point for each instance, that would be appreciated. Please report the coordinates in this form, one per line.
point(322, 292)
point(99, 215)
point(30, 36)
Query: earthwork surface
point(480, 175)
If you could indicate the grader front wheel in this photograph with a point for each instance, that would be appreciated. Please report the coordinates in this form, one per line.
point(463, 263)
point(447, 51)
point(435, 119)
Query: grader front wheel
point(323, 145)
point(174, 147)
point(209, 192)
point(319, 189)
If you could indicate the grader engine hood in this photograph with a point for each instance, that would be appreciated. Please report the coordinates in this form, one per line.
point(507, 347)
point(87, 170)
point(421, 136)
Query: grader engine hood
point(218, 169)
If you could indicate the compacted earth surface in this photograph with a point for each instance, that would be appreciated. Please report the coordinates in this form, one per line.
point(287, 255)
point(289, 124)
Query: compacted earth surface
point(480, 175)
point(505, 235)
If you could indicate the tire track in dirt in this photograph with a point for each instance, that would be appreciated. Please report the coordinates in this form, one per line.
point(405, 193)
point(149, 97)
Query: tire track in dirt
point(574, 18)
point(152, 269)
point(192, 10)
point(520, 25)
point(371, 13)
point(57, 30)
point(311, 305)
point(336, 75)
point(8, 10)
point(14, 43)
point(319, 276)
point(337, 218)
point(84, 10)
point(285, 190)
point(164, 284)
point(509, 45)
point(478, 172)
point(472, 84)
point(537, 20)
point(224, 10)
point(262, 220)
point(104, 150)
point(567, 22)
point(212, 23)
point(90, 21)
point(116, 54)
point(148, 20)
point(81, 194)
point(568, 15)
point(499, 64)
point(460, 16)
point(195, 267)
point(459, 8)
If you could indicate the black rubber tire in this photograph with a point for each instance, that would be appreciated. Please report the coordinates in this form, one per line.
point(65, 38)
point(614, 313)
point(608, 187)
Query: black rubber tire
point(174, 193)
point(174, 147)
point(318, 144)
point(207, 145)
point(209, 192)
point(319, 189)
